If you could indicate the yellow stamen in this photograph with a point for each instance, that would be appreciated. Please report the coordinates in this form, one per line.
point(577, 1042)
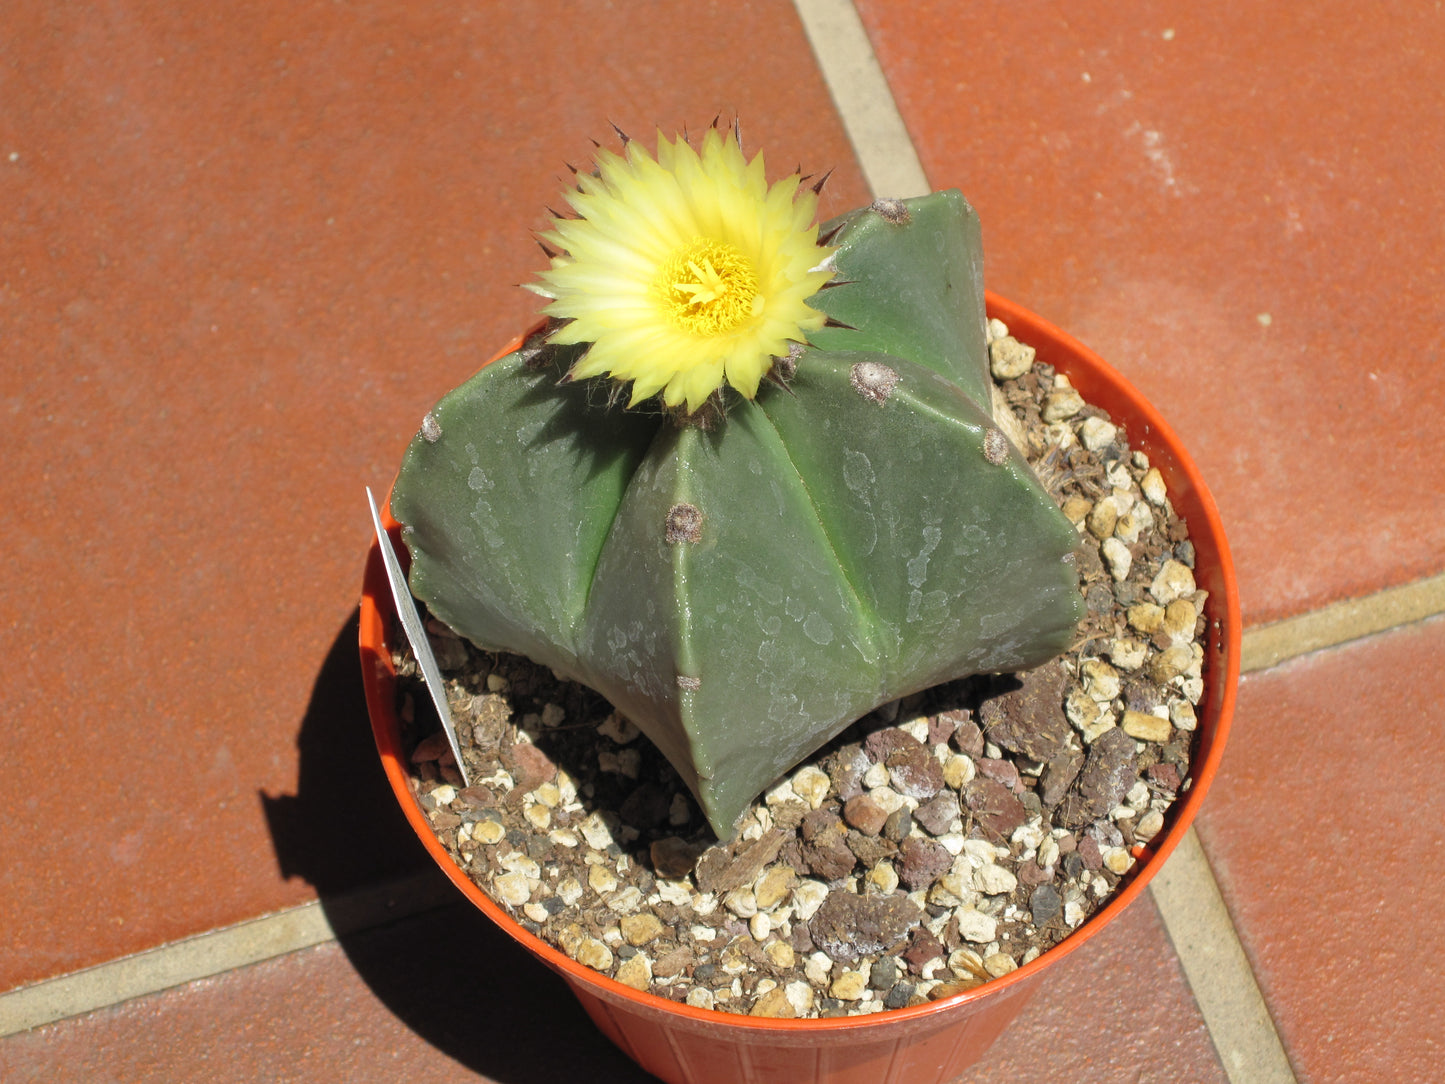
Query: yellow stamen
point(708, 288)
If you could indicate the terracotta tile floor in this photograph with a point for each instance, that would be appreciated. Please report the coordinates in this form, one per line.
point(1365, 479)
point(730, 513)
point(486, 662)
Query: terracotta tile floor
point(243, 249)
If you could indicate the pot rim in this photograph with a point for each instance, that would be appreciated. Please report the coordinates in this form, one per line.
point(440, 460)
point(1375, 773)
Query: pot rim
point(1096, 380)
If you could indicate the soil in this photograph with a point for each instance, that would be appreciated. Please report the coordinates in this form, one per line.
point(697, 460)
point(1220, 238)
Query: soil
point(937, 843)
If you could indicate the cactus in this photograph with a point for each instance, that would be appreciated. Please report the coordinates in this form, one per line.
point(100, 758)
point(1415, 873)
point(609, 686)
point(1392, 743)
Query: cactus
point(745, 592)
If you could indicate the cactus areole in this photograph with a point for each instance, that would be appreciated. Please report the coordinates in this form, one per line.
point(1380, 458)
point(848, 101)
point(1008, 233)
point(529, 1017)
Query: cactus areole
point(848, 532)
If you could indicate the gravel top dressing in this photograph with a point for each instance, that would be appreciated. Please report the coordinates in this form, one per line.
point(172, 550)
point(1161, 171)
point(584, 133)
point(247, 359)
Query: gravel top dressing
point(940, 841)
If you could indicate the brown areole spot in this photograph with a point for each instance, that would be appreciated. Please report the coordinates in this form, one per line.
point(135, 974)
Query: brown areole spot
point(684, 523)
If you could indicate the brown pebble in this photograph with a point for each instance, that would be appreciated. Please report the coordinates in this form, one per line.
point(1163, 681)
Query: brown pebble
point(941, 727)
point(898, 824)
point(922, 947)
point(995, 808)
point(848, 926)
point(938, 813)
point(1005, 771)
point(914, 771)
point(864, 814)
point(968, 738)
point(846, 769)
point(530, 767)
point(922, 860)
point(880, 744)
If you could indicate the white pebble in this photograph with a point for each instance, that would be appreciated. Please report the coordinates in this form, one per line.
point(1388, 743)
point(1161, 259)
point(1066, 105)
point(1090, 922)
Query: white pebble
point(500, 778)
point(741, 902)
point(700, 997)
point(1097, 433)
point(876, 776)
point(849, 986)
point(916, 729)
point(952, 842)
point(625, 902)
point(596, 833)
point(760, 925)
point(800, 997)
point(808, 896)
point(1127, 655)
point(517, 862)
point(1117, 556)
point(1152, 486)
point(489, 832)
point(1101, 681)
point(958, 771)
point(811, 784)
point(594, 954)
point(1030, 834)
point(1048, 852)
point(1149, 825)
point(1182, 715)
point(976, 926)
point(883, 877)
point(993, 880)
point(819, 968)
point(512, 888)
point(1175, 580)
point(781, 793)
point(1117, 860)
point(1000, 964)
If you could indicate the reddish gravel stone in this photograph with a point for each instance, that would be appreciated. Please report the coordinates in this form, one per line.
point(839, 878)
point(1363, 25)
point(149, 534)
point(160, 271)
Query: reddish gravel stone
point(848, 926)
point(864, 814)
point(914, 771)
point(922, 860)
point(881, 743)
point(968, 738)
point(1003, 770)
point(996, 809)
point(922, 947)
point(938, 813)
point(529, 766)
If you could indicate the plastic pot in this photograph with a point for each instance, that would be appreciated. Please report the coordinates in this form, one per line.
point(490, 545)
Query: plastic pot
point(926, 1044)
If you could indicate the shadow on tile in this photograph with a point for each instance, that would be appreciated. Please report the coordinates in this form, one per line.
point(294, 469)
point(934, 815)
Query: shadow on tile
point(448, 974)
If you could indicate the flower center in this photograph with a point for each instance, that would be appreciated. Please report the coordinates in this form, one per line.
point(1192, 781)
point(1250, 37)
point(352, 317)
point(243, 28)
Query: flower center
point(709, 287)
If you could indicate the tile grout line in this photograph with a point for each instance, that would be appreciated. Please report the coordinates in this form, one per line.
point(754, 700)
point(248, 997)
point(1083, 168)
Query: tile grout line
point(216, 952)
point(862, 98)
point(1341, 622)
point(1217, 970)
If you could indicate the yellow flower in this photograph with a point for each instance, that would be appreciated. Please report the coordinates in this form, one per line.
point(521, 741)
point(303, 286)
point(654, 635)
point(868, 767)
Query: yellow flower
point(685, 271)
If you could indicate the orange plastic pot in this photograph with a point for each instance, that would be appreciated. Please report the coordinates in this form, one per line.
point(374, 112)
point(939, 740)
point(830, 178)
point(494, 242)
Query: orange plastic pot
point(926, 1044)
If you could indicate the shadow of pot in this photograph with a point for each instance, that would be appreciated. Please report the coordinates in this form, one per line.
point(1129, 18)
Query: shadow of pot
point(924, 1044)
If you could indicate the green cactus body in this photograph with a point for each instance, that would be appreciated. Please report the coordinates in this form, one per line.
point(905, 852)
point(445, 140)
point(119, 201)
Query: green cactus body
point(744, 593)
